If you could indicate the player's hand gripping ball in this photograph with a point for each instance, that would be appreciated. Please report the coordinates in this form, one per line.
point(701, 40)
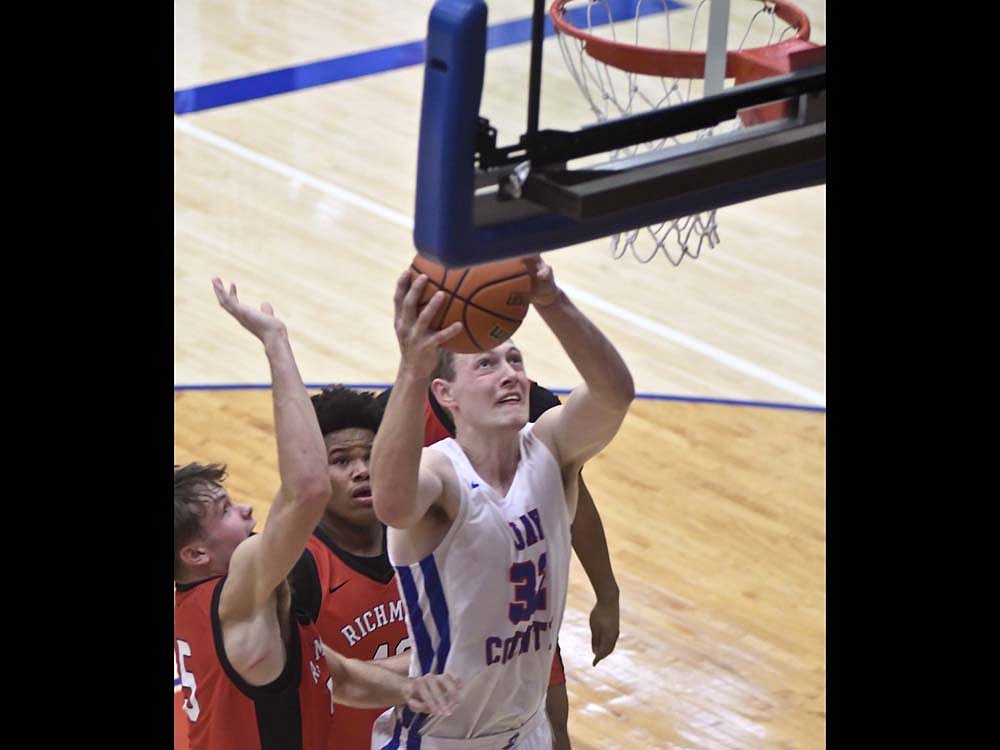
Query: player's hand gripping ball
point(490, 301)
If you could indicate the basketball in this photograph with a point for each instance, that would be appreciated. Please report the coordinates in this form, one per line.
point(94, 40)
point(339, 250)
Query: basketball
point(490, 301)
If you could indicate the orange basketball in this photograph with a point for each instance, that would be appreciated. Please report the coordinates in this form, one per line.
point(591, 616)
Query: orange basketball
point(490, 300)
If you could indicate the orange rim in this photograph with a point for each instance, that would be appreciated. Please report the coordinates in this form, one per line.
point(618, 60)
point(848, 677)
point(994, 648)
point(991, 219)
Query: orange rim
point(677, 63)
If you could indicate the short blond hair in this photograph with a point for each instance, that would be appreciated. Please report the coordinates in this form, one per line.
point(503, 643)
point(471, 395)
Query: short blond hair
point(445, 368)
point(192, 485)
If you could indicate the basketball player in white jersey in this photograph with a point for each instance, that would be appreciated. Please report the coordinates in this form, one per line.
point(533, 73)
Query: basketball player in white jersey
point(478, 525)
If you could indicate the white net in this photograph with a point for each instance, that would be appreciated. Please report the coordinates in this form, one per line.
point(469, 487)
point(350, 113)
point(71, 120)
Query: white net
point(613, 93)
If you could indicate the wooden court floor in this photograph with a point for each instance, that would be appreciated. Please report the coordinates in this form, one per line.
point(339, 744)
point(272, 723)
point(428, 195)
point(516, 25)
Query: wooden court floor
point(714, 512)
point(715, 519)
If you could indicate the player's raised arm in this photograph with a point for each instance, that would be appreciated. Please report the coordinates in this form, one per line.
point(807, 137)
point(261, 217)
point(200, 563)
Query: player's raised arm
point(593, 412)
point(262, 562)
point(400, 491)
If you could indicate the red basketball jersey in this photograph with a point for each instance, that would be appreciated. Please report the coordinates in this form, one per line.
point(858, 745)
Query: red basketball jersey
point(225, 712)
point(359, 613)
point(437, 422)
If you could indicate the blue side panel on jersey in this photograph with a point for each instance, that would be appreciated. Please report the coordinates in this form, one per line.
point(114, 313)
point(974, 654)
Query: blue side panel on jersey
point(413, 736)
point(439, 609)
point(393, 743)
point(425, 649)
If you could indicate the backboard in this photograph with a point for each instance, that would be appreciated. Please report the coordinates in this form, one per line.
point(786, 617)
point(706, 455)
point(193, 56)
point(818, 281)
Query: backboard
point(477, 202)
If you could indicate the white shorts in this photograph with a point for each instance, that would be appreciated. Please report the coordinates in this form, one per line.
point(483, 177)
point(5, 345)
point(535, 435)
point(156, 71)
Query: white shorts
point(534, 734)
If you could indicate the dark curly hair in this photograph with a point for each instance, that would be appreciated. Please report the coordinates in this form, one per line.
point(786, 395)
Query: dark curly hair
point(337, 407)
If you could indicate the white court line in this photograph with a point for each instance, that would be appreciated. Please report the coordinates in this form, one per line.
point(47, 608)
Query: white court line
point(682, 339)
point(814, 398)
point(295, 174)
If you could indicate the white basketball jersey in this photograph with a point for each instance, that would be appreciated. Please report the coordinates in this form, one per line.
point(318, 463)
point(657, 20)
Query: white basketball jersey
point(487, 604)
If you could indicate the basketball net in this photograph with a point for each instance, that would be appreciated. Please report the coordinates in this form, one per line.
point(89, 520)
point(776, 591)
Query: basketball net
point(609, 61)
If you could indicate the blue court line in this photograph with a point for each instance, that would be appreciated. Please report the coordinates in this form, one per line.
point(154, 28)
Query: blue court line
point(730, 402)
point(381, 60)
point(267, 387)
point(557, 391)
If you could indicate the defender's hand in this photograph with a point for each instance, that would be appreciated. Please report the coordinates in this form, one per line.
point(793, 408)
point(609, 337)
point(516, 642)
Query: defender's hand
point(604, 624)
point(261, 323)
point(434, 694)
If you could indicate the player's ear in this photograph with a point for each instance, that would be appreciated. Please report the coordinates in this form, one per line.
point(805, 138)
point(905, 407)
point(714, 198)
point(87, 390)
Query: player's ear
point(441, 389)
point(194, 555)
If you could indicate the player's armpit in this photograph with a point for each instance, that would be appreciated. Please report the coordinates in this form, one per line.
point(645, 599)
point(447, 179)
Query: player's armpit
point(580, 428)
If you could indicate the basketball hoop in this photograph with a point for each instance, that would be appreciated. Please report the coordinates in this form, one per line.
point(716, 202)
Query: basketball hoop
point(626, 67)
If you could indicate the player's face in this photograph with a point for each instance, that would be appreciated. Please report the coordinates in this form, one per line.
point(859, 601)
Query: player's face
point(225, 525)
point(492, 387)
point(348, 452)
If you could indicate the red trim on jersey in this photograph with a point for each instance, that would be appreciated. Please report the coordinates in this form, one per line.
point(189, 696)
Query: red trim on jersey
point(434, 430)
point(558, 675)
point(224, 711)
point(180, 723)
